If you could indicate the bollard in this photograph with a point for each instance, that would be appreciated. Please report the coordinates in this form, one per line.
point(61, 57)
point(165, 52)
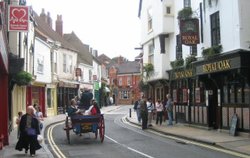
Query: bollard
point(130, 112)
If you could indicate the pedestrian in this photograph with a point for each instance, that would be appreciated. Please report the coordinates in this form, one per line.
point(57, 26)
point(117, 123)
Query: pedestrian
point(138, 110)
point(169, 108)
point(159, 111)
point(29, 129)
point(144, 113)
point(18, 119)
point(150, 107)
point(39, 116)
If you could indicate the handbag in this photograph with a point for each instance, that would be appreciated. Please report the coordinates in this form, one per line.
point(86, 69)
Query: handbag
point(31, 131)
point(40, 138)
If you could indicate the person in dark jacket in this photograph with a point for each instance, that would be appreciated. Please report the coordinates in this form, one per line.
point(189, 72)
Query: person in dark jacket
point(29, 129)
point(85, 101)
point(144, 113)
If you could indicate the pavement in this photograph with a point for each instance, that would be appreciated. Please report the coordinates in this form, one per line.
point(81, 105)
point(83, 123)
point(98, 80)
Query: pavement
point(222, 139)
point(10, 152)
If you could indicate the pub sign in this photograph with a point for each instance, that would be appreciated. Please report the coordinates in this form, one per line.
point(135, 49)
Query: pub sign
point(189, 30)
point(18, 18)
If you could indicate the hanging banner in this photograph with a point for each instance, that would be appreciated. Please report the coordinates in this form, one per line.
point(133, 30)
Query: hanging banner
point(18, 19)
point(189, 30)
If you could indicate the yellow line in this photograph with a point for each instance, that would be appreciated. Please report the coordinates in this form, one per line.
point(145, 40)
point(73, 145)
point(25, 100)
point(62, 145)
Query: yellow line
point(52, 143)
point(194, 143)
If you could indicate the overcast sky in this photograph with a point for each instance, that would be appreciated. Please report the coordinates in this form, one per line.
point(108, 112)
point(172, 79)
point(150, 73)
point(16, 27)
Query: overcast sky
point(109, 26)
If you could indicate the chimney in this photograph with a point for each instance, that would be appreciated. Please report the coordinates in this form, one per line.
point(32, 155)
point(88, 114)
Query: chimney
point(49, 19)
point(43, 15)
point(59, 25)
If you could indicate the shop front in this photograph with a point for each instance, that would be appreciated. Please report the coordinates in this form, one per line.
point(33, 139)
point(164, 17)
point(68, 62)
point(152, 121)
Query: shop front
point(222, 86)
point(182, 88)
point(4, 70)
point(36, 95)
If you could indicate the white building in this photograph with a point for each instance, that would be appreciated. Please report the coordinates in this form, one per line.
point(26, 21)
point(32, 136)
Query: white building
point(157, 25)
point(211, 89)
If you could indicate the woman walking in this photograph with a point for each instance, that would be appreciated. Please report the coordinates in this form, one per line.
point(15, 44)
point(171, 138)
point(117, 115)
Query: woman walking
point(159, 111)
point(29, 129)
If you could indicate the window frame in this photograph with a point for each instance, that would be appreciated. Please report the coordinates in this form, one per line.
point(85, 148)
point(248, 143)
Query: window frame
point(215, 28)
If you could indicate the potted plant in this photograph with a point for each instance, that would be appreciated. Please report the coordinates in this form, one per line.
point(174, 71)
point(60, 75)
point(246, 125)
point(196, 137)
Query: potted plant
point(22, 78)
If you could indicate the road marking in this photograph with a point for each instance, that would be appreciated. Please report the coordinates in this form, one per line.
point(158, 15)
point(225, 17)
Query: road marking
point(52, 143)
point(191, 142)
point(129, 148)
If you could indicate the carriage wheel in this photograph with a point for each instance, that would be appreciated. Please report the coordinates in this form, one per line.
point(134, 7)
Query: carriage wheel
point(101, 128)
point(67, 129)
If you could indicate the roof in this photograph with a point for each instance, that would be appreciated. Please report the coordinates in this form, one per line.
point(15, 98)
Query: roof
point(44, 31)
point(84, 55)
point(129, 67)
point(104, 59)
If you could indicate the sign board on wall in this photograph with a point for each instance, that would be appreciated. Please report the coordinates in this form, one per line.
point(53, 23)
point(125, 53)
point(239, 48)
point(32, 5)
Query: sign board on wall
point(18, 18)
point(189, 30)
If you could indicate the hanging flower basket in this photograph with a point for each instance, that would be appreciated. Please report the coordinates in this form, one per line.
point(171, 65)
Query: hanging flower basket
point(22, 78)
point(177, 63)
point(209, 52)
point(148, 69)
point(189, 60)
point(185, 13)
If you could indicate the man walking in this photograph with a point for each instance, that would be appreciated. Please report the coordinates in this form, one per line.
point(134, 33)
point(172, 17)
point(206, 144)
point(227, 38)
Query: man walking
point(169, 108)
point(144, 113)
point(138, 110)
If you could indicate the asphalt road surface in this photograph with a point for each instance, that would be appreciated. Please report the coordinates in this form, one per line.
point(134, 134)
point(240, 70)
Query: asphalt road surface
point(124, 141)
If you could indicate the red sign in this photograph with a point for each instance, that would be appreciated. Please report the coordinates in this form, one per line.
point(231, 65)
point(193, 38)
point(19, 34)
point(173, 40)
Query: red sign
point(189, 29)
point(18, 18)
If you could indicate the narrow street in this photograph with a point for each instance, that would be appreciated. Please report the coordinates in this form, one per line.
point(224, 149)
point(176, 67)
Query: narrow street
point(123, 140)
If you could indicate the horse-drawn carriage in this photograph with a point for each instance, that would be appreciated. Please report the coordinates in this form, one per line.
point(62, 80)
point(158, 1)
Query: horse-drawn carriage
point(85, 123)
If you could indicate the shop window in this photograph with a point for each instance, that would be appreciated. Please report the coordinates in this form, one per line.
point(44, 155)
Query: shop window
point(49, 95)
point(175, 96)
point(197, 95)
point(239, 94)
point(247, 94)
point(215, 28)
point(185, 95)
point(232, 94)
point(225, 94)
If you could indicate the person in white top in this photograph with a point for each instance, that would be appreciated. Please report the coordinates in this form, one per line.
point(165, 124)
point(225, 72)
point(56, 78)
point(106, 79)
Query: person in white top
point(159, 111)
point(39, 116)
point(150, 107)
